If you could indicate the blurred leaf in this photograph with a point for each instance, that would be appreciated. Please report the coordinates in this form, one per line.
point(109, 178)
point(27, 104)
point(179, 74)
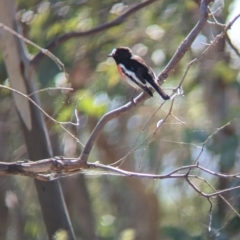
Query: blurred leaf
point(87, 104)
point(31, 228)
point(61, 234)
point(175, 233)
point(224, 71)
point(127, 234)
point(196, 135)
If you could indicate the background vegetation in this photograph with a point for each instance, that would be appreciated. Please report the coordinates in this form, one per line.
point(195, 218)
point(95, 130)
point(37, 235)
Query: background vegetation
point(114, 207)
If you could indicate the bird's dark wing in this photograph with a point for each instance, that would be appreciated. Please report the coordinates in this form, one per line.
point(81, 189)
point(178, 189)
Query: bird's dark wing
point(136, 80)
point(143, 72)
point(146, 75)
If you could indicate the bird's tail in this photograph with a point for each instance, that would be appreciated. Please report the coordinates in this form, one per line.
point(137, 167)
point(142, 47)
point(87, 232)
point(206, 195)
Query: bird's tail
point(161, 92)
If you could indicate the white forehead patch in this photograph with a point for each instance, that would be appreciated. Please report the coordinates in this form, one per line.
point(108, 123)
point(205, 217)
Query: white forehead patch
point(113, 51)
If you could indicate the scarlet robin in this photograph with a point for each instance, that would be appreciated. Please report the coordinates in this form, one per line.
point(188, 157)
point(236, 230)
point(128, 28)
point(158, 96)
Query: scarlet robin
point(136, 72)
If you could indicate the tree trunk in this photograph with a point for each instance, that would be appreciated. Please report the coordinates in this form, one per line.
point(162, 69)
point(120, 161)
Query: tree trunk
point(21, 77)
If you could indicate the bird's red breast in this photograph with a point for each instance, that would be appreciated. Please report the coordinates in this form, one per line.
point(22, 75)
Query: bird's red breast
point(120, 72)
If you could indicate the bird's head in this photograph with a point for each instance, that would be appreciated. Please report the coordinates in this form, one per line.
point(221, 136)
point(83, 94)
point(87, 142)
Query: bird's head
point(121, 53)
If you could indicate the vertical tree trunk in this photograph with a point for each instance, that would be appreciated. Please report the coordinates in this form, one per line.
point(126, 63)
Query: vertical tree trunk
point(21, 77)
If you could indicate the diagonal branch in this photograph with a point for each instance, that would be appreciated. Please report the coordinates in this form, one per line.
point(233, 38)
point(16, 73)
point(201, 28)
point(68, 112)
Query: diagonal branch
point(176, 58)
point(234, 48)
point(60, 124)
point(185, 45)
point(105, 119)
point(63, 38)
point(210, 46)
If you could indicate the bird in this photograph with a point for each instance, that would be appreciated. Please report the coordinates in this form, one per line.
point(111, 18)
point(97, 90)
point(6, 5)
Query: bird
point(136, 72)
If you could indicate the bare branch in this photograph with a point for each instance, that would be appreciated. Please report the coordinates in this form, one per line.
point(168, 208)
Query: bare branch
point(47, 115)
point(66, 166)
point(210, 136)
point(235, 49)
point(41, 168)
point(49, 169)
point(223, 198)
point(50, 88)
point(236, 175)
point(185, 45)
point(105, 119)
point(42, 50)
point(135, 146)
point(210, 212)
point(53, 168)
point(210, 46)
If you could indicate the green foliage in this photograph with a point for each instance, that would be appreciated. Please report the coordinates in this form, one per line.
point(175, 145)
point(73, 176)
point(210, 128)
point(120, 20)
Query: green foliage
point(61, 235)
point(224, 71)
point(195, 136)
point(211, 96)
point(88, 105)
point(31, 228)
point(175, 233)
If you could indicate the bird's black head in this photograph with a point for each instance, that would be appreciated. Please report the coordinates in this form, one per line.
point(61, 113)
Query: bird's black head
point(121, 53)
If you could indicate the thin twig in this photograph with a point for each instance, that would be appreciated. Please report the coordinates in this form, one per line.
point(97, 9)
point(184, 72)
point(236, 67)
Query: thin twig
point(105, 119)
point(211, 136)
point(210, 46)
point(235, 49)
point(121, 161)
point(50, 88)
point(42, 50)
point(47, 115)
point(185, 45)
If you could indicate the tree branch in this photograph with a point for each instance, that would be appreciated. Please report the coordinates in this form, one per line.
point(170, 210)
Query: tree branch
point(63, 38)
point(105, 119)
point(124, 109)
point(234, 48)
point(185, 45)
point(52, 168)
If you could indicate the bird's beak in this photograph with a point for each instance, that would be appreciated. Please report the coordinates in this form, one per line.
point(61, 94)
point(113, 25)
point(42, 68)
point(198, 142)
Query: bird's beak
point(110, 55)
